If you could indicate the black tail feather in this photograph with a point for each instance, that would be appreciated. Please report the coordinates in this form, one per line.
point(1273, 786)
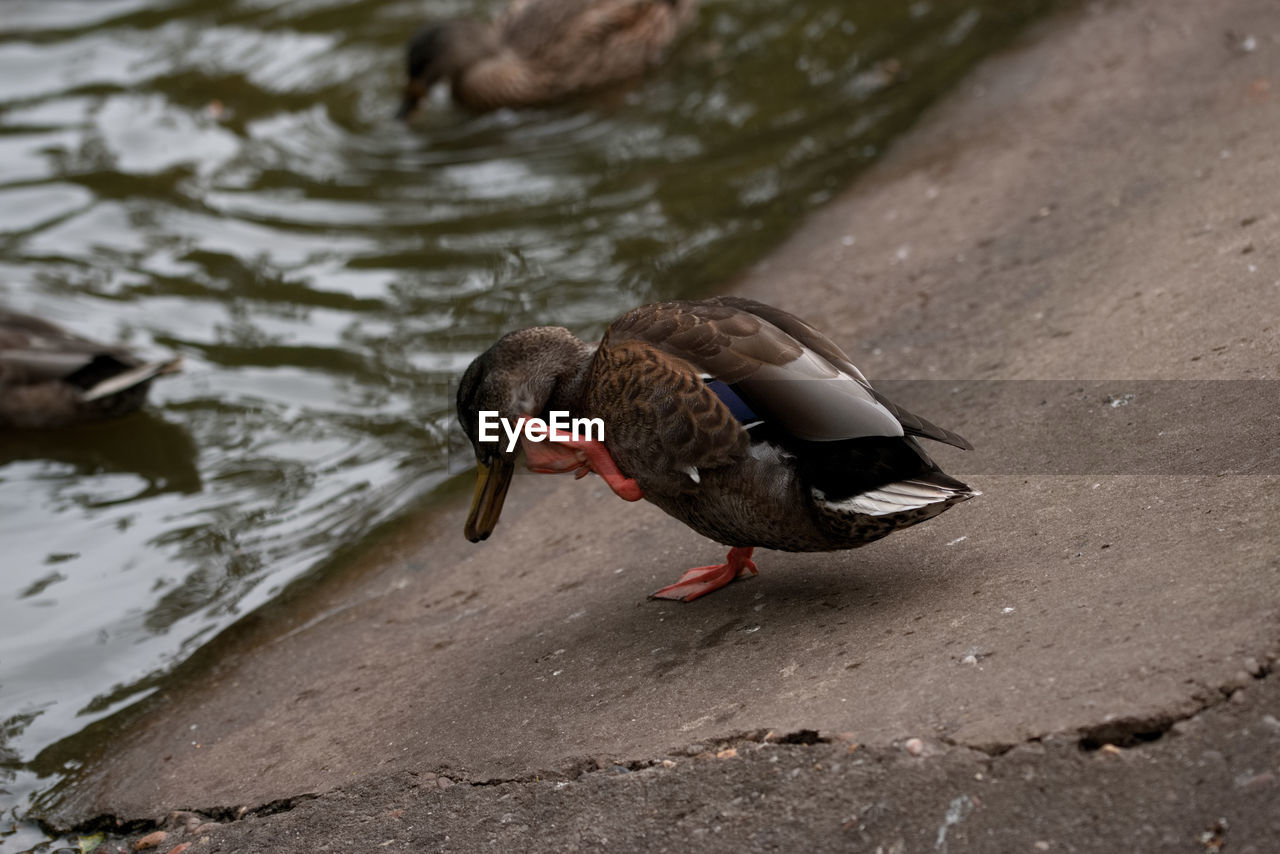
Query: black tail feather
point(852, 467)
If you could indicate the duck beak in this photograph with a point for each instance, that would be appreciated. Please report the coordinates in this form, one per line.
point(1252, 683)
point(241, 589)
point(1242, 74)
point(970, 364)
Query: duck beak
point(413, 93)
point(493, 479)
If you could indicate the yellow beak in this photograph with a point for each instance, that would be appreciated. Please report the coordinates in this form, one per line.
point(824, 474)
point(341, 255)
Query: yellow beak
point(492, 482)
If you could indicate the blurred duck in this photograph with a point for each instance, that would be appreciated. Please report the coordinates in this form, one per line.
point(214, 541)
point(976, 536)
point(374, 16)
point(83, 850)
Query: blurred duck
point(539, 51)
point(739, 419)
point(52, 378)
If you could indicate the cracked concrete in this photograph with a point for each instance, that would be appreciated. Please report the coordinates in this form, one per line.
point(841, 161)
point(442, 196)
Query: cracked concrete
point(1098, 203)
point(1202, 783)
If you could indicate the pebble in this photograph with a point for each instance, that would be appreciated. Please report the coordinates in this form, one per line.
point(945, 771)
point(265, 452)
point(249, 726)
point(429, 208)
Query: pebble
point(914, 746)
point(667, 763)
point(727, 753)
point(444, 782)
point(1238, 697)
point(1271, 721)
point(1240, 680)
point(1213, 757)
point(1252, 782)
point(202, 829)
point(151, 840)
point(178, 849)
point(1253, 667)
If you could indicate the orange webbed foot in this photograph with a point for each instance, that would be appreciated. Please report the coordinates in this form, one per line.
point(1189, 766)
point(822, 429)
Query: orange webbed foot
point(702, 580)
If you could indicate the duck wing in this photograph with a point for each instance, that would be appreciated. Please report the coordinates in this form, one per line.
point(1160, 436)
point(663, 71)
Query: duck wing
point(34, 351)
point(566, 33)
point(666, 422)
point(913, 424)
point(530, 27)
point(782, 369)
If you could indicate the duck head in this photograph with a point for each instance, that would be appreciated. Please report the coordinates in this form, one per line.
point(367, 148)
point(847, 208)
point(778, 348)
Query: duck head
point(525, 373)
point(442, 51)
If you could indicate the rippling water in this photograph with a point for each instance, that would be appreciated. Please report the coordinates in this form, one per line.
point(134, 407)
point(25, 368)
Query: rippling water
point(224, 180)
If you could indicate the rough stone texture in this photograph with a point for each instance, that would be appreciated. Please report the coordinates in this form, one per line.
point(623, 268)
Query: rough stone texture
point(1101, 202)
point(1212, 787)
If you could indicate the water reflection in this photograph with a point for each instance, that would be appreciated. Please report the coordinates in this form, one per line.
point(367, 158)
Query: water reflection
point(224, 181)
point(154, 454)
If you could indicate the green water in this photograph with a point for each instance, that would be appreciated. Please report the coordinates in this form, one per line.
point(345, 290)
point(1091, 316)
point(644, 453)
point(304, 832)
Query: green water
point(224, 180)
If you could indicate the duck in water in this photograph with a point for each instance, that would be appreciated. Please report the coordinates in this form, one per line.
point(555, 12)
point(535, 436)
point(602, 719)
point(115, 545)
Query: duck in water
point(50, 377)
point(541, 51)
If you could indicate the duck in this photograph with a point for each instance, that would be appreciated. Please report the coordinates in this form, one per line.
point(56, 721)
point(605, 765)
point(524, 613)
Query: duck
point(52, 378)
point(541, 51)
point(737, 418)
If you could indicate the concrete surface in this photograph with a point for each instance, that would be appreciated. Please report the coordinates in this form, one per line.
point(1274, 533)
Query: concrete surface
point(1100, 203)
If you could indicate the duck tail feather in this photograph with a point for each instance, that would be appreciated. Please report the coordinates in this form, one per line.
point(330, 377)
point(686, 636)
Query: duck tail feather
point(130, 378)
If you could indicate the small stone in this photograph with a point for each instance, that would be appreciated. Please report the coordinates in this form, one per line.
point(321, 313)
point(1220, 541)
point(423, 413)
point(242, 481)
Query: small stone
point(727, 753)
point(1254, 668)
point(444, 782)
point(178, 849)
point(1238, 697)
point(668, 763)
point(1271, 721)
point(151, 840)
point(207, 827)
point(1253, 782)
point(1041, 845)
point(1213, 757)
point(914, 746)
point(1240, 680)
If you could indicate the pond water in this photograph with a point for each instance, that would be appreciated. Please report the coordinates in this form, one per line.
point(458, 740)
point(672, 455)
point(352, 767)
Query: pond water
point(225, 181)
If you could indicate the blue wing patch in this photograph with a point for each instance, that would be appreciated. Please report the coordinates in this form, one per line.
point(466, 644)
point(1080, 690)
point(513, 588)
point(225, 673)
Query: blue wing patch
point(737, 406)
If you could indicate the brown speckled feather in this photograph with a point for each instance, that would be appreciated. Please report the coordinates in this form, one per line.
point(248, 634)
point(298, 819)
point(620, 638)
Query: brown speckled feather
point(664, 420)
point(728, 343)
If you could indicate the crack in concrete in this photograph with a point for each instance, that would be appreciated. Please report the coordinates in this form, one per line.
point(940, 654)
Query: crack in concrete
point(1119, 734)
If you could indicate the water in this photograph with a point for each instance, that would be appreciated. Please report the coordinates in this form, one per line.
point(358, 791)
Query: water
point(224, 181)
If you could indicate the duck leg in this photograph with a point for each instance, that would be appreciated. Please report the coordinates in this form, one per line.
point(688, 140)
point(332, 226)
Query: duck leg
point(702, 580)
point(580, 457)
point(597, 459)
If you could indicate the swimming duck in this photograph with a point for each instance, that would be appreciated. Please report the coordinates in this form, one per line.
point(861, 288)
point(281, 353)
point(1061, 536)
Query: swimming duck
point(737, 418)
point(539, 51)
point(50, 377)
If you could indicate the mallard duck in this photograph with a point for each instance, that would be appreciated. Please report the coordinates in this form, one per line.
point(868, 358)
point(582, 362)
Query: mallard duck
point(52, 378)
point(741, 420)
point(539, 51)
